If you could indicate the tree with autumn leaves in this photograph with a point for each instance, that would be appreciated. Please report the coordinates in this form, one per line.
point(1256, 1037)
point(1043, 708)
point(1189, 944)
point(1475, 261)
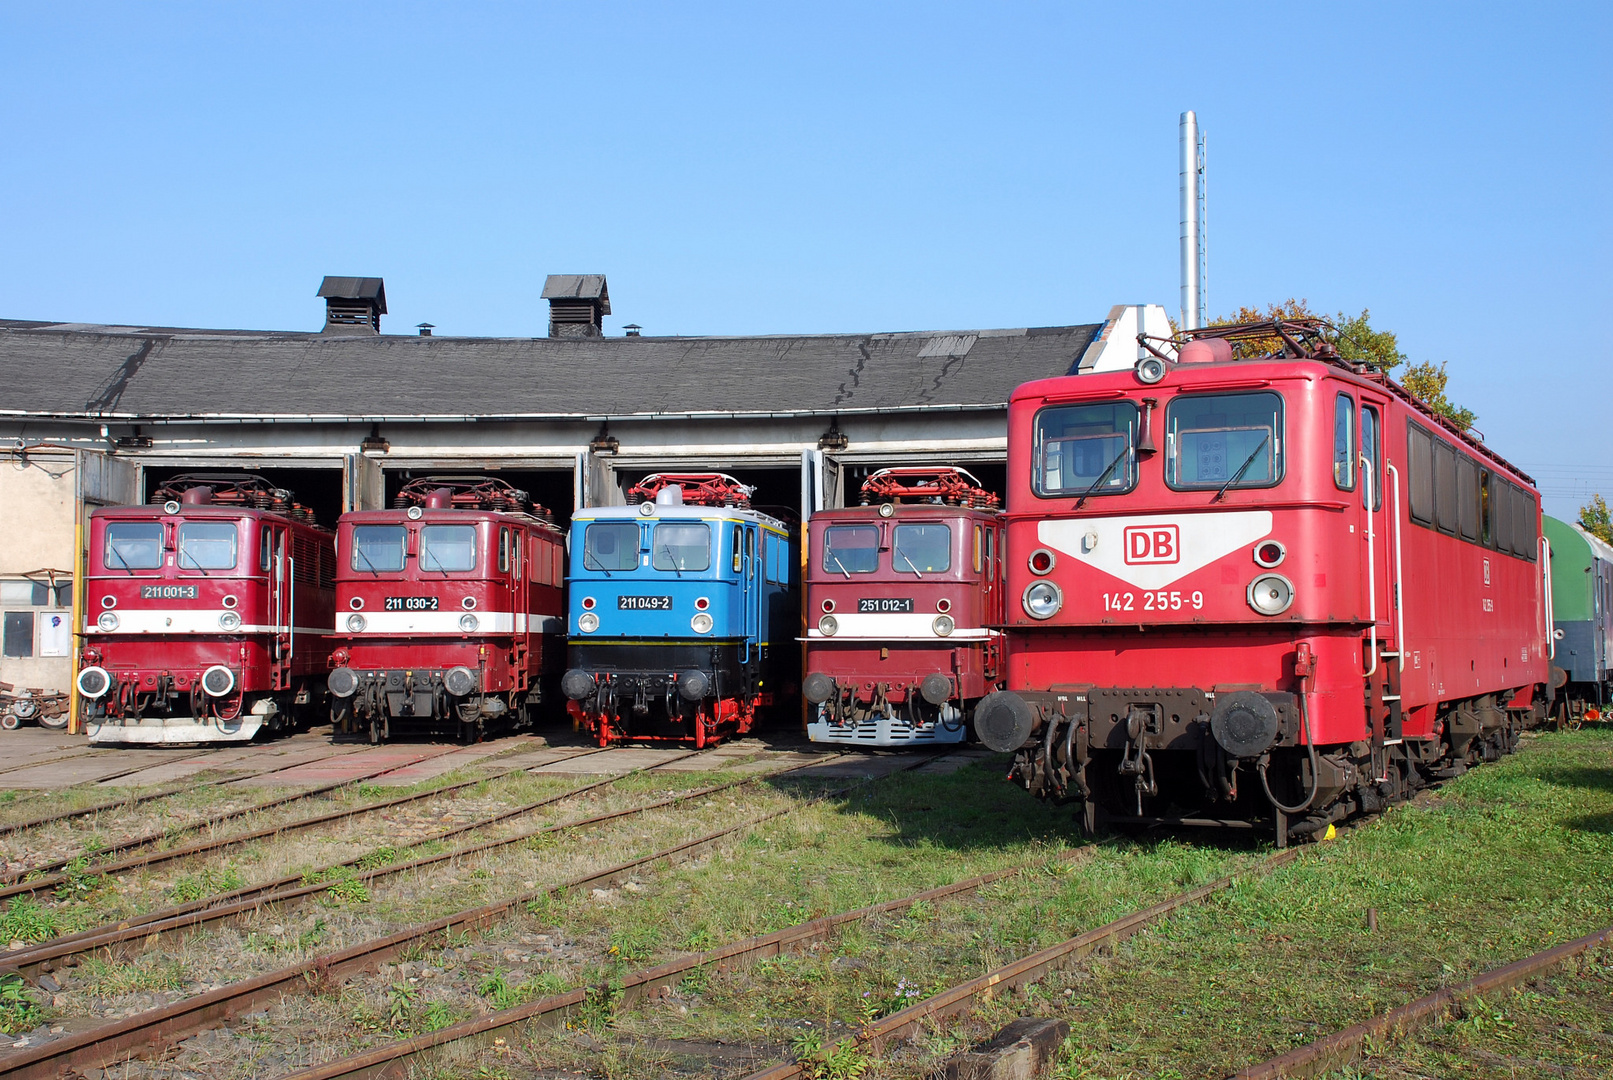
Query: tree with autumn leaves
point(1595, 519)
point(1359, 342)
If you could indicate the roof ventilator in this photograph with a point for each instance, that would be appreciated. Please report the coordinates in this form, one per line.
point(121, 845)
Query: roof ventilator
point(353, 305)
point(578, 304)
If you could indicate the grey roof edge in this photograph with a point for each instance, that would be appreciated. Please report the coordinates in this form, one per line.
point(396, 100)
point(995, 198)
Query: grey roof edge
point(477, 418)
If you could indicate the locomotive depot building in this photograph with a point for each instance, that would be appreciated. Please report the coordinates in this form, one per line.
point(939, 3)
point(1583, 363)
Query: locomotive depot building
point(343, 416)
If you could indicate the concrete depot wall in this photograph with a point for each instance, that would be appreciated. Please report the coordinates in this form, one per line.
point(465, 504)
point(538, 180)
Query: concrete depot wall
point(38, 507)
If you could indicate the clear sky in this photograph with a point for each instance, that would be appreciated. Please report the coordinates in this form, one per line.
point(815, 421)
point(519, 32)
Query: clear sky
point(754, 168)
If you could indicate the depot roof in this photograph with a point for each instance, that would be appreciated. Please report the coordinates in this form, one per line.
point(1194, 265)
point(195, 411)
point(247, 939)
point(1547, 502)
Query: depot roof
point(95, 372)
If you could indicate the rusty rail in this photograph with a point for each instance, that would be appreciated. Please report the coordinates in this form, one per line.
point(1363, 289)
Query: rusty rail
point(17, 886)
point(961, 998)
point(394, 1062)
point(151, 925)
point(155, 1030)
point(1342, 1047)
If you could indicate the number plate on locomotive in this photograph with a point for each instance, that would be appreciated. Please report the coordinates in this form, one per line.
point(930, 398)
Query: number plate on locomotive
point(167, 592)
point(644, 603)
point(411, 603)
point(902, 605)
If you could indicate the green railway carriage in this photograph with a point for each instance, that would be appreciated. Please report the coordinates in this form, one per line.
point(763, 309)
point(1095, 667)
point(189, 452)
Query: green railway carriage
point(1582, 610)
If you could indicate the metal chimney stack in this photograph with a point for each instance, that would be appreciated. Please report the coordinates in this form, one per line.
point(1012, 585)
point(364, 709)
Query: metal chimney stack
point(1195, 305)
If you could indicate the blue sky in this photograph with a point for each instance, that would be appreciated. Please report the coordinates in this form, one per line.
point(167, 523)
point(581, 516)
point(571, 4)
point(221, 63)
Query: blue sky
point(755, 168)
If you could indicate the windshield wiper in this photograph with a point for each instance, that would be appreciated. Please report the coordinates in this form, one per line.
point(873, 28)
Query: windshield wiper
point(670, 559)
point(909, 563)
point(194, 565)
point(1248, 461)
point(840, 564)
point(122, 561)
point(366, 558)
point(1104, 475)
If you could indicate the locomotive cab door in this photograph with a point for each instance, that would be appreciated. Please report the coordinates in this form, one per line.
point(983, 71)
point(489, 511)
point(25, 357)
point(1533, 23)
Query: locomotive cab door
point(752, 593)
point(1378, 489)
point(280, 606)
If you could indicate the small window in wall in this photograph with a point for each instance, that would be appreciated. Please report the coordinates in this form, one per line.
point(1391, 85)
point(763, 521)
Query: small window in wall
point(19, 634)
point(1467, 497)
point(1344, 443)
point(1445, 486)
point(64, 594)
point(1420, 473)
point(26, 592)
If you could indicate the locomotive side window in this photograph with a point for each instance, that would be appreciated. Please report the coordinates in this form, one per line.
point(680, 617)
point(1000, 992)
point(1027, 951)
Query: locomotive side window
point(378, 549)
point(1486, 510)
point(1525, 525)
point(1501, 513)
point(922, 549)
point(133, 545)
point(1420, 473)
point(265, 556)
point(504, 551)
point(1372, 449)
point(206, 545)
point(610, 545)
point(681, 545)
point(1086, 449)
point(1467, 497)
point(979, 552)
point(1444, 487)
point(851, 549)
point(1344, 443)
point(1224, 441)
point(738, 529)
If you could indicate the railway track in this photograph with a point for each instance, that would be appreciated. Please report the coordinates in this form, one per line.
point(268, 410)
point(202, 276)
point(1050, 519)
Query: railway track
point(153, 925)
point(154, 1030)
point(1341, 1048)
point(150, 796)
point(21, 882)
point(401, 1058)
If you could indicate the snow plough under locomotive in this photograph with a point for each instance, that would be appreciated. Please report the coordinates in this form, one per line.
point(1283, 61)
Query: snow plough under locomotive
point(449, 610)
point(207, 613)
point(1268, 589)
point(680, 604)
point(902, 597)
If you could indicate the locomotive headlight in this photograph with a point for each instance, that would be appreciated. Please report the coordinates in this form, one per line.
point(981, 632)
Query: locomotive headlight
point(108, 622)
point(415, 513)
point(1150, 369)
point(701, 623)
point(1042, 599)
point(1271, 594)
point(356, 624)
point(828, 625)
point(588, 622)
point(229, 622)
point(468, 623)
point(942, 625)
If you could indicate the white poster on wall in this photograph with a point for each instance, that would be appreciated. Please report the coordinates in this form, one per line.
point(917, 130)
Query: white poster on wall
point(55, 634)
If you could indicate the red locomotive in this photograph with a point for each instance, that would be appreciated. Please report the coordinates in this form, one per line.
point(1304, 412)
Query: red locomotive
point(449, 609)
point(903, 598)
point(207, 613)
point(1275, 588)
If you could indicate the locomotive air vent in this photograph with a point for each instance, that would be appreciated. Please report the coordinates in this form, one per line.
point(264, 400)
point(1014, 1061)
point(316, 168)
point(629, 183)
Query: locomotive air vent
point(353, 305)
point(578, 304)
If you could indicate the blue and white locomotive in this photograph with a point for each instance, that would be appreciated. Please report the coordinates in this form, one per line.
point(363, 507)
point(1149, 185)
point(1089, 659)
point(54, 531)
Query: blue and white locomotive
point(681, 612)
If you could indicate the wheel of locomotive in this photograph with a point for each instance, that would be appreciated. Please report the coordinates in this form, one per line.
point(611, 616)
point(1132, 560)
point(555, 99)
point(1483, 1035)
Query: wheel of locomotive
point(53, 723)
point(10, 721)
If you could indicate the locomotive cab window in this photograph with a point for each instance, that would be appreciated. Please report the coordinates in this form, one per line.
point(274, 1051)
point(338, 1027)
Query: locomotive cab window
point(1086, 449)
point(1344, 443)
point(448, 547)
point(133, 545)
point(610, 545)
point(681, 545)
point(378, 549)
point(206, 545)
point(1224, 441)
point(851, 549)
point(922, 549)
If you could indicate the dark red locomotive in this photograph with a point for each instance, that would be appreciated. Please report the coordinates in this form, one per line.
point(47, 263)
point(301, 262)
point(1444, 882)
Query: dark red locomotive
point(902, 601)
point(207, 613)
point(449, 609)
point(1273, 588)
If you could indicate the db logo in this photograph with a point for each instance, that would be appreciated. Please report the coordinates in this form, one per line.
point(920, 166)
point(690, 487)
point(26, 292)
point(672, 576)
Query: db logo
point(1152, 544)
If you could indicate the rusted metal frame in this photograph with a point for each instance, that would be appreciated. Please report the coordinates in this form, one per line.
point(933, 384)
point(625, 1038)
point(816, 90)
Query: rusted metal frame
point(213, 909)
point(390, 1061)
point(52, 880)
point(119, 804)
point(1342, 1047)
point(31, 961)
point(961, 998)
point(156, 1029)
